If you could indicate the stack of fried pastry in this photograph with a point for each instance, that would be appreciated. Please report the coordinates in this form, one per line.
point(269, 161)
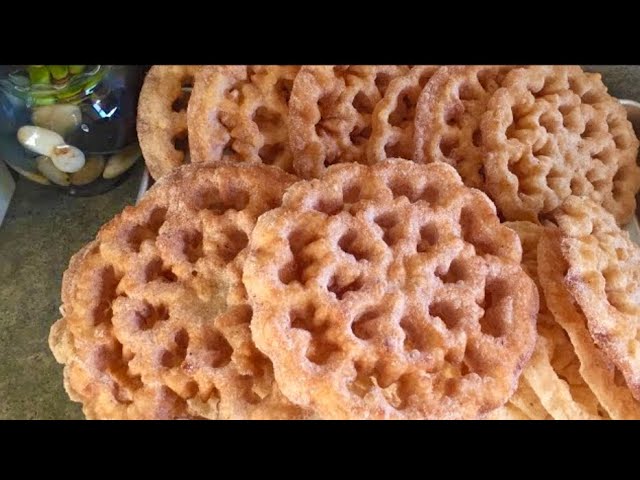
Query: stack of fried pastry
point(365, 242)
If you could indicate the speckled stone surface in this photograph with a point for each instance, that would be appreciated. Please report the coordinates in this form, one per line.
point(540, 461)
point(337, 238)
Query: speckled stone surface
point(43, 228)
point(623, 81)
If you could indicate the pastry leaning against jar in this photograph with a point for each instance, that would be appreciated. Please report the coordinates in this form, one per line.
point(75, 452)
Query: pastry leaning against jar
point(70, 126)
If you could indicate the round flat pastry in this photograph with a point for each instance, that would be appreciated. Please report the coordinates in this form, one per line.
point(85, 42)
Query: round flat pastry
point(162, 117)
point(390, 291)
point(155, 317)
point(448, 114)
point(553, 372)
point(240, 113)
point(331, 108)
point(554, 131)
point(392, 124)
point(602, 377)
point(604, 278)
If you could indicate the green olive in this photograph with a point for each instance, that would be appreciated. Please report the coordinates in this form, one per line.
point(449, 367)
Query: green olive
point(76, 69)
point(39, 74)
point(58, 72)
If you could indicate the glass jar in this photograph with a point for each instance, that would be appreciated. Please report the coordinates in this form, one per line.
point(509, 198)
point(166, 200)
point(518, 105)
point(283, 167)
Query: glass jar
point(71, 127)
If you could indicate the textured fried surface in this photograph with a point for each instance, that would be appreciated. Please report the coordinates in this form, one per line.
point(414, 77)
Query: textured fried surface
point(240, 113)
point(551, 132)
point(330, 113)
point(508, 412)
point(604, 278)
point(597, 371)
point(527, 401)
point(155, 317)
point(392, 124)
point(390, 291)
point(448, 114)
point(162, 117)
point(553, 371)
point(529, 234)
point(554, 374)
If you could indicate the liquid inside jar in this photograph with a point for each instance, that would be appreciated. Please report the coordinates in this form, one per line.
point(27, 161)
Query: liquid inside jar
point(70, 126)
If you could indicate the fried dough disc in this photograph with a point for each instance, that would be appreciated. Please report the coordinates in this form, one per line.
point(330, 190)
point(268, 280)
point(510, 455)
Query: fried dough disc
point(554, 374)
point(597, 371)
point(604, 278)
point(240, 113)
point(390, 291)
point(162, 117)
point(508, 412)
point(155, 317)
point(392, 124)
point(553, 371)
point(527, 401)
point(552, 132)
point(330, 113)
point(448, 114)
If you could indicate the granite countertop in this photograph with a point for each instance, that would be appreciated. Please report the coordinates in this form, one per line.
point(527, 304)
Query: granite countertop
point(42, 229)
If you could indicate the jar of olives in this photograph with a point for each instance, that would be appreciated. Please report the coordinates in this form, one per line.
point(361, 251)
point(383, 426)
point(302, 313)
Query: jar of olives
point(72, 127)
